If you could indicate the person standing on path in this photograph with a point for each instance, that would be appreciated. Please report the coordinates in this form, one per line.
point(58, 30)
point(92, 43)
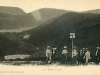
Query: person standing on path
point(83, 54)
point(80, 57)
point(87, 56)
point(64, 55)
point(74, 56)
point(54, 54)
point(97, 55)
point(48, 54)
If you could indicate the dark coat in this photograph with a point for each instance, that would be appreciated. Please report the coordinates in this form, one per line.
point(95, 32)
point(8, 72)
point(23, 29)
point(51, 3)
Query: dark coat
point(98, 54)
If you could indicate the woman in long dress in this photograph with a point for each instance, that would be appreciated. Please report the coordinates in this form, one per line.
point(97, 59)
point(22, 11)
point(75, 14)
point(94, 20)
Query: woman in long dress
point(74, 56)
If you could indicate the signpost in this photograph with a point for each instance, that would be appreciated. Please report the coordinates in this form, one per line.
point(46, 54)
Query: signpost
point(72, 36)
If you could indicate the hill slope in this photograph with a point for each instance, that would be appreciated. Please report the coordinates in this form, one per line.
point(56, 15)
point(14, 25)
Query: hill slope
point(55, 32)
point(44, 14)
point(15, 21)
point(33, 19)
point(96, 11)
point(11, 10)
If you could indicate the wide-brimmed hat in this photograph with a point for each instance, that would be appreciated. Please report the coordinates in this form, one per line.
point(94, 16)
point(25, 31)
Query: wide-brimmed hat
point(86, 48)
point(74, 47)
point(65, 46)
point(55, 48)
point(48, 46)
point(97, 47)
point(83, 48)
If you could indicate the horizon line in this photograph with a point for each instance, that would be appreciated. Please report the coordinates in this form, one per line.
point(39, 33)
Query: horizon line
point(50, 8)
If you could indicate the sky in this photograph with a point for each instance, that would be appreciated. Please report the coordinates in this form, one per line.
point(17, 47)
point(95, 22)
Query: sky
point(32, 5)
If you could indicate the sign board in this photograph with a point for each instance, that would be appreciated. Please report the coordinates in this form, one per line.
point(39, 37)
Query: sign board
point(72, 35)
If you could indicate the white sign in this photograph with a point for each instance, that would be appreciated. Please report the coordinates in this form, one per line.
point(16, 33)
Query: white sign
point(72, 35)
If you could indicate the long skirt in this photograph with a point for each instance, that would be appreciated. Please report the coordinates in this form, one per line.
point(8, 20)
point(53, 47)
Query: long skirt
point(80, 60)
point(54, 57)
point(97, 60)
point(74, 60)
point(64, 59)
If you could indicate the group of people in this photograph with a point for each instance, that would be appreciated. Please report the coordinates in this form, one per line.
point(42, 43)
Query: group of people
point(74, 55)
point(50, 54)
point(82, 57)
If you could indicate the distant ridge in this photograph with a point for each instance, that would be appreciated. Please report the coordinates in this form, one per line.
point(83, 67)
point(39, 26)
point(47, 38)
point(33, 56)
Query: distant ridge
point(14, 17)
point(44, 14)
point(13, 20)
point(11, 10)
point(95, 11)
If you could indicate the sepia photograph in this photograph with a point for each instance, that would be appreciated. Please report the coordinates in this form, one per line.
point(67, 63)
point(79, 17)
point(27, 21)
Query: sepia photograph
point(44, 37)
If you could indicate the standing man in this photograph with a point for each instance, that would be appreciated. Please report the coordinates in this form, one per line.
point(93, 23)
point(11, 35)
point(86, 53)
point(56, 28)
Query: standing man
point(54, 53)
point(97, 55)
point(87, 56)
point(83, 54)
point(48, 54)
point(74, 56)
point(80, 57)
point(64, 55)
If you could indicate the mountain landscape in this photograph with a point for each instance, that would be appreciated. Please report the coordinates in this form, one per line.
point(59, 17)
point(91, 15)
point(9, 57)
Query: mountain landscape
point(52, 29)
point(15, 20)
point(57, 32)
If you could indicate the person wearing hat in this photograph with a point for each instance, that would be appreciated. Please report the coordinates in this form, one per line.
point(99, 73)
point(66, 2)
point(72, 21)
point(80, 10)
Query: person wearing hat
point(54, 53)
point(74, 56)
point(83, 54)
point(97, 55)
point(87, 56)
point(80, 57)
point(48, 54)
point(64, 55)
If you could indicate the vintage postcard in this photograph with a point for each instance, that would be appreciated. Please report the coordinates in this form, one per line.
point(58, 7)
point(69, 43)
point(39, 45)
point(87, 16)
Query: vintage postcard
point(44, 37)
